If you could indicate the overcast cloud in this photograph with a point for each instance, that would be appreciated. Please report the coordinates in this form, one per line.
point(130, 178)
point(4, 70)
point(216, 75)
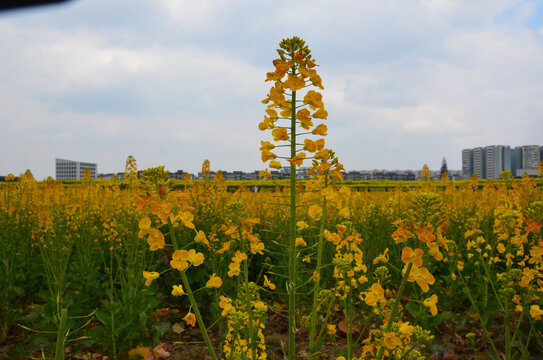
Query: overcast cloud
point(174, 82)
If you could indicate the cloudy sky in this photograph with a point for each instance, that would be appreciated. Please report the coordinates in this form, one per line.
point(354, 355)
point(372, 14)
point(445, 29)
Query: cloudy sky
point(174, 82)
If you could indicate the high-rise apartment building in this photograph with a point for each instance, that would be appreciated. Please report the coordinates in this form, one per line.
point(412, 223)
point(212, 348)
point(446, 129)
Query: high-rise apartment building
point(73, 170)
point(498, 159)
point(488, 162)
point(530, 156)
point(479, 162)
point(467, 163)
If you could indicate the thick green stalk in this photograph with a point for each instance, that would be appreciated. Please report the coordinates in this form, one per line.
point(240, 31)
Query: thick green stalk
point(61, 335)
point(291, 286)
point(395, 307)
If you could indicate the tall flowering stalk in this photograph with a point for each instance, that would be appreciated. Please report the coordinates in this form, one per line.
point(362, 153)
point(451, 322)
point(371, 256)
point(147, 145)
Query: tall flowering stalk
point(291, 108)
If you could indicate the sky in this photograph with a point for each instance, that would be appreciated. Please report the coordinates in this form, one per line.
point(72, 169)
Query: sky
point(175, 82)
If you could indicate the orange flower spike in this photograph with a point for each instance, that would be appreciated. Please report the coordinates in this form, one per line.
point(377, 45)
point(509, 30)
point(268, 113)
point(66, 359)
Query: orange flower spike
point(412, 256)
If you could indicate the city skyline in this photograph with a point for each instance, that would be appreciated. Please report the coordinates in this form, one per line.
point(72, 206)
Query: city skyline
point(490, 161)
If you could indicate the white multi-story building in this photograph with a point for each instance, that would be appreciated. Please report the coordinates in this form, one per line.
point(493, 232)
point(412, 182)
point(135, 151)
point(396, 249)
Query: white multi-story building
point(490, 161)
point(498, 159)
point(467, 163)
point(530, 156)
point(479, 166)
point(73, 170)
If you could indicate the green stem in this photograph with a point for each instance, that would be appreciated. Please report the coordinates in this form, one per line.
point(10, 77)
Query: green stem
point(483, 323)
point(247, 300)
point(395, 308)
point(482, 260)
point(316, 290)
point(201, 324)
point(112, 311)
point(291, 286)
point(192, 300)
point(61, 335)
point(349, 323)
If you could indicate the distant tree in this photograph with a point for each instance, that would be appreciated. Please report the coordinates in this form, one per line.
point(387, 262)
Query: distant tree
point(443, 168)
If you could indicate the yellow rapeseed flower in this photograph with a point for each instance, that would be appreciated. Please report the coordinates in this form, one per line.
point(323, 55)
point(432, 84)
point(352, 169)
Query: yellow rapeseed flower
point(190, 319)
point(430, 303)
point(150, 276)
point(391, 341)
point(178, 290)
point(536, 312)
point(214, 282)
point(268, 283)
